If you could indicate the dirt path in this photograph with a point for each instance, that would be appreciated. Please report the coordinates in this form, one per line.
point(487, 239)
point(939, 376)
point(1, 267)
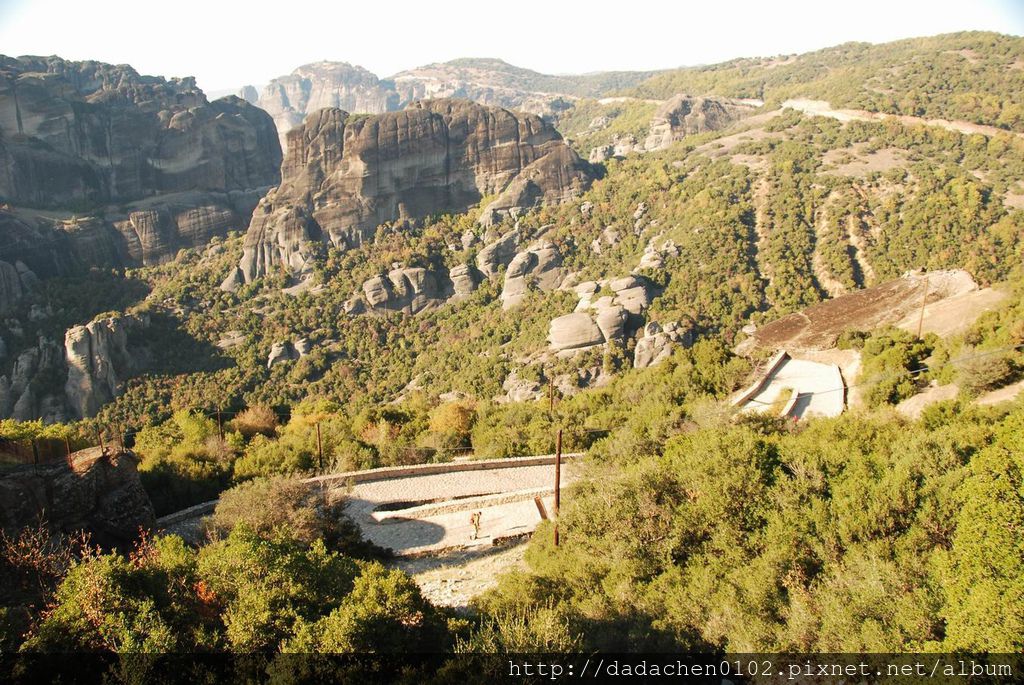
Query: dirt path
point(824, 109)
point(453, 580)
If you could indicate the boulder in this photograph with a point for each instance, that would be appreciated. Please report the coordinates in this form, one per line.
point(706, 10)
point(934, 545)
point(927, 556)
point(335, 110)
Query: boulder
point(612, 321)
point(233, 282)
point(539, 265)
point(574, 331)
point(659, 343)
point(497, 254)
point(280, 353)
point(409, 290)
point(520, 389)
point(464, 280)
point(601, 153)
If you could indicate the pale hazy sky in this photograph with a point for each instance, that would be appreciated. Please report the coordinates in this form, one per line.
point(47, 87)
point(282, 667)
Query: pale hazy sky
point(226, 44)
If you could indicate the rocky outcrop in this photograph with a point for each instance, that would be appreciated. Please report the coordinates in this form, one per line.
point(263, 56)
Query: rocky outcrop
point(324, 84)
point(464, 280)
point(98, 494)
point(658, 344)
point(281, 352)
point(489, 82)
point(497, 254)
point(607, 311)
point(518, 389)
point(22, 395)
point(73, 132)
point(99, 362)
point(539, 266)
point(159, 167)
point(574, 331)
point(344, 177)
point(15, 280)
point(409, 290)
point(686, 115)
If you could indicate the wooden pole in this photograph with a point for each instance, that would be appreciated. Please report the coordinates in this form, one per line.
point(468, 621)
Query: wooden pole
point(924, 301)
point(551, 397)
point(220, 424)
point(558, 481)
point(319, 447)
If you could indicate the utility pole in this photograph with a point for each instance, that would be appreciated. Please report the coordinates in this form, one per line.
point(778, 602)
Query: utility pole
point(319, 447)
point(924, 301)
point(558, 481)
point(551, 397)
point(220, 425)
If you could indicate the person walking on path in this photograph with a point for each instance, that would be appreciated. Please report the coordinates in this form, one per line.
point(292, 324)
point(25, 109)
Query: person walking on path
point(474, 520)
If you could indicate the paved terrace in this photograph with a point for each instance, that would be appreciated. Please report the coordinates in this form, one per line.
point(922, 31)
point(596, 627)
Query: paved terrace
point(426, 508)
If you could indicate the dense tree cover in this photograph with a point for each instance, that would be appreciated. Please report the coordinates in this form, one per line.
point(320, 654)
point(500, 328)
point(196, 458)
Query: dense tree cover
point(590, 123)
point(752, 229)
point(862, 533)
point(244, 593)
point(971, 76)
point(283, 570)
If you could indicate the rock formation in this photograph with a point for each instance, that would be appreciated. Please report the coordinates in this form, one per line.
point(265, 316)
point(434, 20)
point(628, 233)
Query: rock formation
point(540, 265)
point(342, 178)
point(98, 362)
point(409, 290)
point(159, 167)
point(574, 331)
point(489, 82)
point(281, 352)
point(686, 115)
point(324, 84)
point(92, 132)
point(22, 397)
point(611, 316)
point(496, 255)
point(657, 343)
point(15, 280)
point(101, 495)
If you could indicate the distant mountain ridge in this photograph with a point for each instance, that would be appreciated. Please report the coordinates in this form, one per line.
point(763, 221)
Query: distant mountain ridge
point(486, 81)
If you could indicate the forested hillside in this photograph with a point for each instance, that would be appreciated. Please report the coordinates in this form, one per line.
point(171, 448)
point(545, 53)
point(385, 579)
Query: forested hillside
point(976, 77)
point(615, 311)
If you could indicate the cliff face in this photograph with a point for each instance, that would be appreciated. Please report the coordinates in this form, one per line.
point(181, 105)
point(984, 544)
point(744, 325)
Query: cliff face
point(98, 363)
point(87, 132)
point(148, 165)
point(324, 84)
point(342, 178)
point(685, 115)
point(95, 493)
point(95, 360)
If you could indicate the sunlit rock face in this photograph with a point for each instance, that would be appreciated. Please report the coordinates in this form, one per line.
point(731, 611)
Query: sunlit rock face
point(344, 176)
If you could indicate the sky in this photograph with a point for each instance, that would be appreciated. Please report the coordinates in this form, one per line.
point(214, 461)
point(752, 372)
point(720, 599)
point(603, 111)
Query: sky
point(226, 44)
